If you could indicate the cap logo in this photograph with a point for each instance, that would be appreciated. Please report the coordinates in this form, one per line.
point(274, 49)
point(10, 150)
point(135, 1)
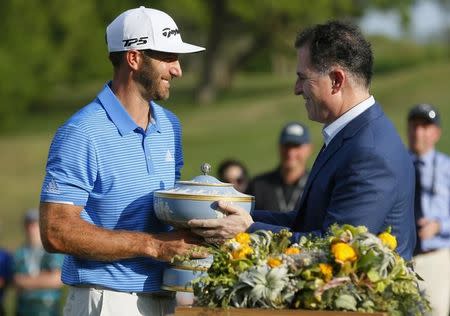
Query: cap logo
point(432, 114)
point(137, 41)
point(295, 130)
point(167, 32)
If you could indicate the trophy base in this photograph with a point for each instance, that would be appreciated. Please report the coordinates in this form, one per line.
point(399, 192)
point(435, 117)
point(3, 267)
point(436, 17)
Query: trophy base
point(179, 275)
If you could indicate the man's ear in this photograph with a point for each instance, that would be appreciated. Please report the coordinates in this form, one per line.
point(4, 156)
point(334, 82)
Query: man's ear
point(133, 59)
point(338, 78)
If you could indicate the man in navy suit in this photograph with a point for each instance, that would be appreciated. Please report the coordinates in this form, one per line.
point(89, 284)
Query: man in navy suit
point(363, 174)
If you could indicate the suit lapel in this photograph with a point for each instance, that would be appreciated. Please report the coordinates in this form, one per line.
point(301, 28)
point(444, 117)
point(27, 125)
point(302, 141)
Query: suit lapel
point(347, 132)
point(323, 157)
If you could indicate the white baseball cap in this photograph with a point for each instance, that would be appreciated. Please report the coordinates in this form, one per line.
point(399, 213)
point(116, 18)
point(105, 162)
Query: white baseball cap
point(145, 28)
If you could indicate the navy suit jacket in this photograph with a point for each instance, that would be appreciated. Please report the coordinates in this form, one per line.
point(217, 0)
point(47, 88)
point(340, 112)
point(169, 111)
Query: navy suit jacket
point(364, 176)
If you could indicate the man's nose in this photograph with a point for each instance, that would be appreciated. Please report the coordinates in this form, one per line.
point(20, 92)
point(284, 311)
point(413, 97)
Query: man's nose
point(298, 88)
point(175, 69)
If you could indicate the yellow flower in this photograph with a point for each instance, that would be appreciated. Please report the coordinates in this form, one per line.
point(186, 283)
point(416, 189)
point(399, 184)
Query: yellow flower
point(326, 270)
point(242, 252)
point(292, 251)
point(273, 262)
point(388, 239)
point(343, 252)
point(243, 238)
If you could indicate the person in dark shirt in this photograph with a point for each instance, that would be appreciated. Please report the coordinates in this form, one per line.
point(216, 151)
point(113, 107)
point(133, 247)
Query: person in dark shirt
point(281, 188)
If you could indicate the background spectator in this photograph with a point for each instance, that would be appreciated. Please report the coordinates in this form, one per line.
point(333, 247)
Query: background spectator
point(431, 206)
point(5, 276)
point(234, 172)
point(281, 188)
point(37, 273)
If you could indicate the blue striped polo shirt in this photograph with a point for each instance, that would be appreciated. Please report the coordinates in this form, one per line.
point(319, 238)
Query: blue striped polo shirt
point(101, 160)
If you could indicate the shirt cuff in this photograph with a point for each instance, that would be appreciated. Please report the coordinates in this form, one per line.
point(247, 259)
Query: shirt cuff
point(262, 226)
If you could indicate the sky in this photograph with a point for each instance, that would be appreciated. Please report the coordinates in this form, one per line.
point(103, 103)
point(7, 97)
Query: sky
point(427, 20)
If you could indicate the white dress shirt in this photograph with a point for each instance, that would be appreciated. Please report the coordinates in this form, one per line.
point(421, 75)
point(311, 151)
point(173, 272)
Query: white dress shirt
point(330, 131)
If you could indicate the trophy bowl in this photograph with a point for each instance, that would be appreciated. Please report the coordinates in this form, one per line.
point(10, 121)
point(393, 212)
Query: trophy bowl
point(197, 199)
point(194, 199)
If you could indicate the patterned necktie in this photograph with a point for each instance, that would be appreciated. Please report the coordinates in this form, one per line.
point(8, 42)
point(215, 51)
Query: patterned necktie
point(418, 211)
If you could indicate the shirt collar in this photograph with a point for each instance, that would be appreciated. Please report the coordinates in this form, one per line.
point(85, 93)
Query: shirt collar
point(331, 130)
point(119, 115)
point(427, 158)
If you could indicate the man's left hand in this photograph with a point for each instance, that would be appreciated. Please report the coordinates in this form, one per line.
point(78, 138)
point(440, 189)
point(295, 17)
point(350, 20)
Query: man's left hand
point(236, 221)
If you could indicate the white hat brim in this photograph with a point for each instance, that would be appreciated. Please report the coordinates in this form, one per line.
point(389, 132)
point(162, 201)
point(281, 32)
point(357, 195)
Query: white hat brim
point(179, 48)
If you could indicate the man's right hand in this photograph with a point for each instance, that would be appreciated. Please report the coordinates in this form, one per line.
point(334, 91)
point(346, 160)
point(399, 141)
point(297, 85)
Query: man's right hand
point(178, 242)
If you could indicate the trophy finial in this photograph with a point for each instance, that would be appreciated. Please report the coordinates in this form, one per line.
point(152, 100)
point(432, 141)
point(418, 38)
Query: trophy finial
point(206, 168)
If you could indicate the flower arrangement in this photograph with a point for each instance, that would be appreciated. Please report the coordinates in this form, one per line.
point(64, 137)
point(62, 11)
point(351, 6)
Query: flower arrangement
point(349, 269)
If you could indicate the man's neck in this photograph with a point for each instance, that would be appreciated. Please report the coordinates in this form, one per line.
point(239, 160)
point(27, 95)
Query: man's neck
point(350, 98)
point(137, 107)
point(423, 153)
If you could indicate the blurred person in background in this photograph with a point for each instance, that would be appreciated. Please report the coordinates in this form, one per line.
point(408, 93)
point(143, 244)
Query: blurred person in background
point(281, 189)
point(37, 273)
point(6, 273)
point(103, 166)
point(233, 171)
point(432, 206)
point(363, 175)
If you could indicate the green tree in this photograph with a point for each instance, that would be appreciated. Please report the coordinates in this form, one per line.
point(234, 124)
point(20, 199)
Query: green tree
point(53, 47)
point(239, 31)
point(47, 46)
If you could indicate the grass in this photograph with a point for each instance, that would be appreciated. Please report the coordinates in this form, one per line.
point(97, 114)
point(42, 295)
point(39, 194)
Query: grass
point(244, 123)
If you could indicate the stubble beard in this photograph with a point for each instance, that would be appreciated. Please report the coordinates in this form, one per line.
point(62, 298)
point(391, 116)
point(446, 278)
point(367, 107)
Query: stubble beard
point(148, 82)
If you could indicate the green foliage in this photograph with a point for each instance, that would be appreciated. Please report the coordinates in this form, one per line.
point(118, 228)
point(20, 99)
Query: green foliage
point(392, 55)
point(52, 46)
point(44, 45)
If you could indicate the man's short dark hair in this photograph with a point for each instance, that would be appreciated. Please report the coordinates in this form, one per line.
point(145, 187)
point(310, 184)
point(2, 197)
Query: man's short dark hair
point(338, 43)
point(116, 58)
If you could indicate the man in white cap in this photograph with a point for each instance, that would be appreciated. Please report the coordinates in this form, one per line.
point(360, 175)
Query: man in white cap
point(105, 163)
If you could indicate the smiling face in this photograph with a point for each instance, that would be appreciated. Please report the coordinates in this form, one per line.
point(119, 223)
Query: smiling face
point(155, 73)
point(315, 88)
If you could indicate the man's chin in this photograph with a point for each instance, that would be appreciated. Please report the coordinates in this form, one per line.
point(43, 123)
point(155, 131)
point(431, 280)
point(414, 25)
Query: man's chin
point(162, 96)
point(159, 97)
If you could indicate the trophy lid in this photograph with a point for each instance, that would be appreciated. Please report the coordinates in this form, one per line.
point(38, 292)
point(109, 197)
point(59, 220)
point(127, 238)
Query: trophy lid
point(205, 185)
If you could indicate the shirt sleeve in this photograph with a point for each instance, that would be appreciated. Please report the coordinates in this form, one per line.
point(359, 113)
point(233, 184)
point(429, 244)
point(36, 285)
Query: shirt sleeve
point(71, 167)
point(277, 221)
point(295, 238)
